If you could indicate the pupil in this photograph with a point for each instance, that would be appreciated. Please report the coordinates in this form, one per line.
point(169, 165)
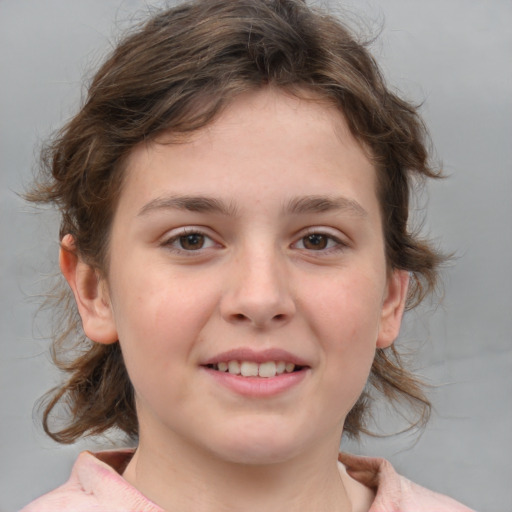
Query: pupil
point(315, 242)
point(192, 241)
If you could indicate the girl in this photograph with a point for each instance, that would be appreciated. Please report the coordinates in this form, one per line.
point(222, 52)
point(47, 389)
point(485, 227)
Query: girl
point(234, 200)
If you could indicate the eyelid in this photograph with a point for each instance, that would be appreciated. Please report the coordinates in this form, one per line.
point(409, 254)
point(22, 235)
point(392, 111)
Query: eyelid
point(174, 235)
point(341, 241)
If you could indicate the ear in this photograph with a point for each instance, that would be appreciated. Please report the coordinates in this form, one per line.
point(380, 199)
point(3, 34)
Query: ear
point(393, 307)
point(91, 294)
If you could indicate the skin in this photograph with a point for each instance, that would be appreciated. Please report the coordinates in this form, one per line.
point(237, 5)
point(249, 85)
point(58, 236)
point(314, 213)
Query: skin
point(252, 279)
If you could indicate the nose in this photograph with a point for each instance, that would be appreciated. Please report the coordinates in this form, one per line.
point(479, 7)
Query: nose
point(259, 292)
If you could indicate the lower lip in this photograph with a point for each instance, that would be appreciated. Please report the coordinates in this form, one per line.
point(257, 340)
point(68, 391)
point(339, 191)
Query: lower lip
point(258, 387)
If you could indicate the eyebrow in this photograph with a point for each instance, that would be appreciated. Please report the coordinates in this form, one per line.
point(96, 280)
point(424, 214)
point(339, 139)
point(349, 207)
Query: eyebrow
point(296, 206)
point(319, 204)
point(200, 204)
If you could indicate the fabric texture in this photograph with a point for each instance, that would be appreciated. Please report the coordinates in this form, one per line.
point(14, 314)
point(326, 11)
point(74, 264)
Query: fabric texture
point(96, 484)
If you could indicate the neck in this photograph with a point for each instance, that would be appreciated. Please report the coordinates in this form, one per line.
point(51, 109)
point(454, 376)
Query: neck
point(186, 478)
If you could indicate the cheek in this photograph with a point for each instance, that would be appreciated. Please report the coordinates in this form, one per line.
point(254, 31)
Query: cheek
point(345, 318)
point(158, 320)
point(158, 329)
point(155, 299)
point(346, 310)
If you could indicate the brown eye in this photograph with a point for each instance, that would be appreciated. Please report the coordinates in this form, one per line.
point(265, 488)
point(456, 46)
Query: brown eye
point(192, 241)
point(315, 242)
point(189, 242)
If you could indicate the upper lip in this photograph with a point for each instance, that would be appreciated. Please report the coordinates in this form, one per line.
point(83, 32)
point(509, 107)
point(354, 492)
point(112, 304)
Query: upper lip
point(256, 356)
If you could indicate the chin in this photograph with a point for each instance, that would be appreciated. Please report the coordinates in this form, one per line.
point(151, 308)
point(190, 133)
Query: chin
point(259, 444)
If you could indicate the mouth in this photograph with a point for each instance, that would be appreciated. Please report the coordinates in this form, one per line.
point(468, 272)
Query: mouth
point(265, 370)
point(257, 374)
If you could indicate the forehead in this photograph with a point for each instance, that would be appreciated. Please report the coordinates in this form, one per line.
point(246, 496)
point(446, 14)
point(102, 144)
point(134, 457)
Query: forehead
point(269, 140)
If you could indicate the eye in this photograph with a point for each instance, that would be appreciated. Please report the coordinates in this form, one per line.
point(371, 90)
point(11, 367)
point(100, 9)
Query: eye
point(319, 242)
point(189, 241)
point(192, 241)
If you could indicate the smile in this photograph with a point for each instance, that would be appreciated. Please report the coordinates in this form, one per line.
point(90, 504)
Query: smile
point(267, 369)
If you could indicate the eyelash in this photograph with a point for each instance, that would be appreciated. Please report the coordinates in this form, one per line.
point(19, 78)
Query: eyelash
point(336, 245)
point(177, 238)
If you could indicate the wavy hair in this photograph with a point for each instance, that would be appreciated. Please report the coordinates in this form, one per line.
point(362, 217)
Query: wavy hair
point(175, 73)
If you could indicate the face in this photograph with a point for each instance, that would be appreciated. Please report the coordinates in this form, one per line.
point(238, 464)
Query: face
point(247, 281)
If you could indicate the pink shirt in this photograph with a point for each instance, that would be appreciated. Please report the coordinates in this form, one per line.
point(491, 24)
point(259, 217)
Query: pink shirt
point(96, 484)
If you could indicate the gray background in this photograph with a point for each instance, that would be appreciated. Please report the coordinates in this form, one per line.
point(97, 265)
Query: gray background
point(453, 55)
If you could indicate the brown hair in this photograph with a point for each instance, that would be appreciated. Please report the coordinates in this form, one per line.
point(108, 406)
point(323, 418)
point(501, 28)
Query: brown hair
point(175, 73)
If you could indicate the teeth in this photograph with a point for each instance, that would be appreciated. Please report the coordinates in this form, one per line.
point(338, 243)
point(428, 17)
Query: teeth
point(249, 369)
point(267, 369)
point(234, 367)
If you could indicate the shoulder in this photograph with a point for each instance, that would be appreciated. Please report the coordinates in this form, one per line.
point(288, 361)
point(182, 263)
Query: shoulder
point(393, 492)
point(94, 484)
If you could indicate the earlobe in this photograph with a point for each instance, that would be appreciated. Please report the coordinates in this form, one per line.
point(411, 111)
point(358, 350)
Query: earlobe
point(91, 294)
point(393, 308)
